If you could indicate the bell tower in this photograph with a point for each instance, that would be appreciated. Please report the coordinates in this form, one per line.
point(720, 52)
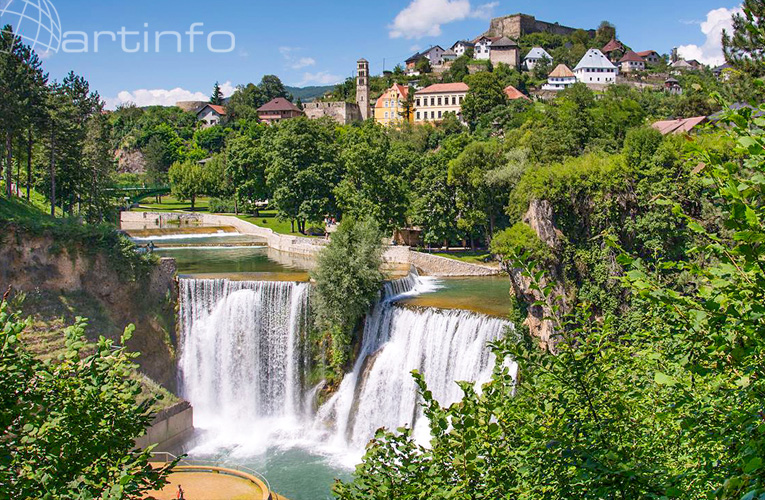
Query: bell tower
point(362, 88)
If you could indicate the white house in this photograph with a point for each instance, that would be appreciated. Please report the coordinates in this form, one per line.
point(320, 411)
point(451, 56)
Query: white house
point(210, 115)
point(560, 78)
point(631, 62)
point(461, 47)
point(483, 47)
point(534, 56)
point(595, 68)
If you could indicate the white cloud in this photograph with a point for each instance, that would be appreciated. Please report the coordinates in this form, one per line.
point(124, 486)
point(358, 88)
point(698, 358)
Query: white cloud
point(320, 78)
point(294, 61)
point(163, 97)
point(711, 52)
point(303, 62)
point(423, 18)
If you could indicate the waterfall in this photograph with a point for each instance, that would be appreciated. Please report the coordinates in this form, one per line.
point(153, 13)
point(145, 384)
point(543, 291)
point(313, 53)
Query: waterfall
point(445, 346)
point(243, 353)
point(244, 359)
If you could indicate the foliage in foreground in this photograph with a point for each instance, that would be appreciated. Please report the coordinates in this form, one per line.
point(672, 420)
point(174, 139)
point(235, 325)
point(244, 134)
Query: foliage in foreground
point(671, 409)
point(348, 280)
point(68, 426)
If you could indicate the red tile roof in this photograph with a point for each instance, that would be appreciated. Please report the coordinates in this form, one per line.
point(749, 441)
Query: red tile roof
point(218, 109)
point(631, 57)
point(438, 88)
point(646, 53)
point(679, 126)
point(614, 44)
point(513, 93)
point(279, 104)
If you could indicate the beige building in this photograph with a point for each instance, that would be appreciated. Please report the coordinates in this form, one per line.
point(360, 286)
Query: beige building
point(433, 102)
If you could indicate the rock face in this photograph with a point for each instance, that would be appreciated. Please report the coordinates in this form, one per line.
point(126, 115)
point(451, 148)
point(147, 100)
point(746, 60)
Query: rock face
point(34, 264)
point(130, 161)
point(540, 218)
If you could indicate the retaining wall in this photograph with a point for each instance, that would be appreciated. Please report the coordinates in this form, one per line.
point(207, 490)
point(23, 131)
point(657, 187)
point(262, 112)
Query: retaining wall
point(171, 426)
point(309, 247)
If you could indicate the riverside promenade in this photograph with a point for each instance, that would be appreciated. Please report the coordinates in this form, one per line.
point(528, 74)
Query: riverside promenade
point(426, 264)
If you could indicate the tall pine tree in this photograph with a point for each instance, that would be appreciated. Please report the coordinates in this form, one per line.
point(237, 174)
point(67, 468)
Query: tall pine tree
point(745, 47)
point(217, 96)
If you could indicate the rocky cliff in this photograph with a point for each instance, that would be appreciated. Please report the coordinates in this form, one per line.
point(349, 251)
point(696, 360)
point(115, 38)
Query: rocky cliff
point(540, 218)
point(57, 278)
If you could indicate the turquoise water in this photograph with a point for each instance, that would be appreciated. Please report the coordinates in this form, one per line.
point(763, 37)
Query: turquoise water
point(486, 295)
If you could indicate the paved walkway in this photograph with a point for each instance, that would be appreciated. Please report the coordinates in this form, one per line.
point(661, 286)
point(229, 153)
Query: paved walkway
point(206, 486)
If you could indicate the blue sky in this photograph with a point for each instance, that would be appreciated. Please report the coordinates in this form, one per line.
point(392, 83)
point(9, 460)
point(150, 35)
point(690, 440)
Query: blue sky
point(308, 42)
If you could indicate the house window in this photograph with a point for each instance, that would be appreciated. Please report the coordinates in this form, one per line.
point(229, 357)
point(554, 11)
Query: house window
point(439, 114)
point(432, 101)
point(386, 115)
point(460, 99)
point(418, 115)
point(439, 101)
point(454, 100)
point(418, 102)
point(432, 114)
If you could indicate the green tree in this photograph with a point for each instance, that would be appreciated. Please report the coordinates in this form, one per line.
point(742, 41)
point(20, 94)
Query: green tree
point(22, 84)
point(217, 95)
point(478, 202)
point(348, 281)
point(246, 169)
point(668, 409)
point(188, 181)
point(745, 47)
point(302, 169)
point(485, 94)
point(372, 186)
point(69, 426)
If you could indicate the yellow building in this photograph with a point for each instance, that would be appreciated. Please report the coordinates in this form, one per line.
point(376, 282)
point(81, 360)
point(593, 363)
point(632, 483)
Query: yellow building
point(390, 106)
point(432, 103)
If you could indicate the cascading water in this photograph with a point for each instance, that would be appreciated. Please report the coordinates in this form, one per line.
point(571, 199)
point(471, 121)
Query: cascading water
point(445, 346)
point(244, 358)
point(243, 351)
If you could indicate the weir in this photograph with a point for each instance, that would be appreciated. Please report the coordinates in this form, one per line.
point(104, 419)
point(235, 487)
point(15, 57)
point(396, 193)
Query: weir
point(244, 360)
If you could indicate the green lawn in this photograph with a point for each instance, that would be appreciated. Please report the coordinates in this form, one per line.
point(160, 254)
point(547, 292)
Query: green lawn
point(470, 256)
point(268, 219)
point(171, 204)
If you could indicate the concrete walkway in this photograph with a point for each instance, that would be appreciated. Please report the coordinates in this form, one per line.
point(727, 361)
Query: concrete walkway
point(201, 482)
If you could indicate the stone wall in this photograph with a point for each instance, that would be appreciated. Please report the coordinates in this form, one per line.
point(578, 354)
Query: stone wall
point(435, 265)
point(342, 112)
point(511, 57)
point(171, 426)
point(523, 24)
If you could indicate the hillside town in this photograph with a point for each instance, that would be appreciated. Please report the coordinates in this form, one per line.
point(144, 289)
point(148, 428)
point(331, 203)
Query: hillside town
point(525, 262)
point(610, 64)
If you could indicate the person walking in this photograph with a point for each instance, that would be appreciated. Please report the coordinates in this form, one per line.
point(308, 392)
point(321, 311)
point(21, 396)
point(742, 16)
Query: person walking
point(179, 495)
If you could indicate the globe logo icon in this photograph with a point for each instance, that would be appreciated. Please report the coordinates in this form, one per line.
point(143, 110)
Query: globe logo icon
point(35, 23)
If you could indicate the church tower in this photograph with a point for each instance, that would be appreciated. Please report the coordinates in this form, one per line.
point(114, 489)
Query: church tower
point(362, 88)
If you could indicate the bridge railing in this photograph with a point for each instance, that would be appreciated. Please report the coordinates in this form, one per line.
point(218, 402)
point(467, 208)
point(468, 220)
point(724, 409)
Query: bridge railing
point(165, 457)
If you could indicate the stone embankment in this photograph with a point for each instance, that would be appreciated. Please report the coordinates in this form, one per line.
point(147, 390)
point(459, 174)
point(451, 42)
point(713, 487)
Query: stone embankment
point(427, 264)
point(171, 427)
